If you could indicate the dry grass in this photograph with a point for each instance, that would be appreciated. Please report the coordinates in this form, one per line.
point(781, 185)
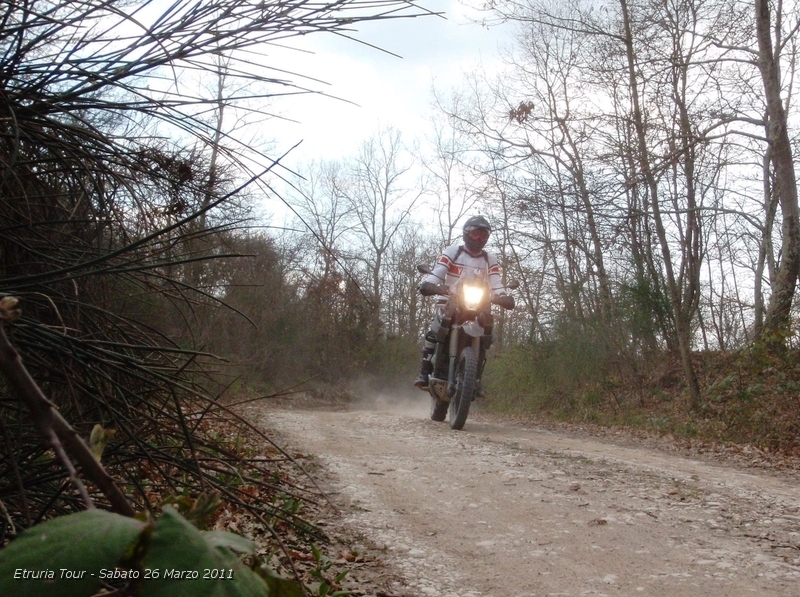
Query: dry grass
point(750, 398)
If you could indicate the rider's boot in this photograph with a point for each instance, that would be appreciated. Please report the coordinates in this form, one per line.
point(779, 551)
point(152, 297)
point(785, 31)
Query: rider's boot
point(425, 370)
point(426, 367)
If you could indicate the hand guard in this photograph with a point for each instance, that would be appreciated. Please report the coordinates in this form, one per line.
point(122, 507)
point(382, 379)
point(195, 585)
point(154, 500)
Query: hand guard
point(429, 289)
point(505, 301)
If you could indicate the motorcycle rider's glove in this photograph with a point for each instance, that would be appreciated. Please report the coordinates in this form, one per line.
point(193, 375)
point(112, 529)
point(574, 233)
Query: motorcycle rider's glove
point(505, 301)
point(429, 289)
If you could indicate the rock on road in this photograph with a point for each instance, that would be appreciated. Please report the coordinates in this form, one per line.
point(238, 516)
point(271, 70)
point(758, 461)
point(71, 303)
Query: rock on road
point(507, 511)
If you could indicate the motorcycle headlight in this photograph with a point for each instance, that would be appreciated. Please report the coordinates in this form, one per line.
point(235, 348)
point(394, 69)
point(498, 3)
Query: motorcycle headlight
point(473, 296)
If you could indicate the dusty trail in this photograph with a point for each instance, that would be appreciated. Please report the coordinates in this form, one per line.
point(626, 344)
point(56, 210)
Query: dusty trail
point(510, 512)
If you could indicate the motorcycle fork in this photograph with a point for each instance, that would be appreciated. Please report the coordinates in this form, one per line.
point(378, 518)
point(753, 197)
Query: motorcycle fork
point(455, 353)
point(451, 373)
point(481, 362)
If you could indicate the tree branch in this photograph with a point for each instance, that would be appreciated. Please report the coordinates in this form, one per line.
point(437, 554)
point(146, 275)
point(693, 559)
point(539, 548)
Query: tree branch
point(51, 425)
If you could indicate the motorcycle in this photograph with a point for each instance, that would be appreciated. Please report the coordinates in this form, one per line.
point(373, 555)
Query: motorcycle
point(463, 328)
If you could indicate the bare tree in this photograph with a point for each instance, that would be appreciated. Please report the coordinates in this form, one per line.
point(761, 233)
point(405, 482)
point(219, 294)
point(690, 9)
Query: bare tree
point(456, 177)
point(381, 196)
point(406, 314)
point(617, 126)
point(324, 217)
point(780, 153)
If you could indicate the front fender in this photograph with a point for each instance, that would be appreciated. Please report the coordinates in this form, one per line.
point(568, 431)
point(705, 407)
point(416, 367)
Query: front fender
point(473, 329)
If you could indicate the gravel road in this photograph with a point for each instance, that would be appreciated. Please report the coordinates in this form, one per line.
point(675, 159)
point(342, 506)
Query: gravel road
point(511, 511)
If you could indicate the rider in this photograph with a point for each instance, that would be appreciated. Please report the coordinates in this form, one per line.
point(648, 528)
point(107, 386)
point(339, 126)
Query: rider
point(448, 269)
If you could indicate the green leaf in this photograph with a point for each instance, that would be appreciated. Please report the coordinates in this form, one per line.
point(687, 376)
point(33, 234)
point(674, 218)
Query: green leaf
point(224, 539)
point(182, 556)
point(282, 587)
point(340, 577)
point(203, 509)
point(83, 543)
point(98, 440)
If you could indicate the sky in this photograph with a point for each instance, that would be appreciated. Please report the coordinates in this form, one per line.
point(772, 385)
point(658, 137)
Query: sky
point(378, 89)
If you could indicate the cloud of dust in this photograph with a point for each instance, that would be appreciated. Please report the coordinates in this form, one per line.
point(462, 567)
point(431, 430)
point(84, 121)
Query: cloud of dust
point(403, 400)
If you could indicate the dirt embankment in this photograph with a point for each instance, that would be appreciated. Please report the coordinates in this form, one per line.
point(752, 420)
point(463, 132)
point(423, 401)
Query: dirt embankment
point(512, 511)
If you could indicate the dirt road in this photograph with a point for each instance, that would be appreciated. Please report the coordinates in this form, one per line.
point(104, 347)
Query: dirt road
point(509, 511)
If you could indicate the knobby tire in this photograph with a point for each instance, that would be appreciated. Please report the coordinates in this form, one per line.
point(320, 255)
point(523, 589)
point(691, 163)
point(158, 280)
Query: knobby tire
point(438, 409)
point(466, 372)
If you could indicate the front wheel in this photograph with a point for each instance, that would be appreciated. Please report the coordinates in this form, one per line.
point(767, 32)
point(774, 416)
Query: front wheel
point(466, 372)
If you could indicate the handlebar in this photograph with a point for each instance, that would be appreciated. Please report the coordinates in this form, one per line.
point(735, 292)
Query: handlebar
point(429, 289)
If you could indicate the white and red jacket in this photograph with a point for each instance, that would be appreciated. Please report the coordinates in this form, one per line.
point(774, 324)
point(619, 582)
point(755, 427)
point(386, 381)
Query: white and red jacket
point(455, 259)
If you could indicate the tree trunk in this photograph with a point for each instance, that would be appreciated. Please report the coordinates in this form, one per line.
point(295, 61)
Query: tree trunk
point(682, 322)
point(765, 250)
point(777, 319)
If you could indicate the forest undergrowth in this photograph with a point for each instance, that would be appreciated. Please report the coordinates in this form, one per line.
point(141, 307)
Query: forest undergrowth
point(320, 559)
point(750, 397)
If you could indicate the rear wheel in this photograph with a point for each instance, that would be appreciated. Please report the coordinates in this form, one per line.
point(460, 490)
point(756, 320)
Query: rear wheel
point(466, 372)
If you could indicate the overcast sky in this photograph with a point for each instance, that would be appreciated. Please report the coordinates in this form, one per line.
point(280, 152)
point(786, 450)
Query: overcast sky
point(388, 91)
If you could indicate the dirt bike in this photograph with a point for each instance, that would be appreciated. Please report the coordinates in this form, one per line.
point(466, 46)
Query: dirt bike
point(463, 330)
